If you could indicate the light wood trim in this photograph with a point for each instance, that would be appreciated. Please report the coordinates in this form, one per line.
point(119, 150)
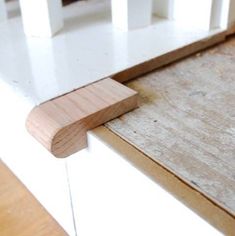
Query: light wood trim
point(61, 124)
point(198, 202)
point(20, 213)
point(168, 58)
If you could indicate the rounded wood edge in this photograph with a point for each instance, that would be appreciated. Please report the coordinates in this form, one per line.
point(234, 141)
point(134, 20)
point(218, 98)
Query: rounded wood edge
point(57, 139)
point(213, 213)
point(69, 140)
point(42, 128)
point(61, 125)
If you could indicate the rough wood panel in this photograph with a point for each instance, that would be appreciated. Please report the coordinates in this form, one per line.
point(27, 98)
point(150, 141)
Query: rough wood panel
point(186, 121)
point(20, 212)
point(61, 124)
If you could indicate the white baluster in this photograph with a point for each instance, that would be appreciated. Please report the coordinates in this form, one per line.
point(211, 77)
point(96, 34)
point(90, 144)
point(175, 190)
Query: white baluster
point(41, 18)
point(3, 12)
point(231, 18)
point(219, 14)
point(131, 14)
point(163, 8)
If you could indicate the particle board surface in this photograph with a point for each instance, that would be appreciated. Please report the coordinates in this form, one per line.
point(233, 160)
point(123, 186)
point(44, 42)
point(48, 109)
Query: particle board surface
point(61, 124)
point(186, 122)
point(20, 213)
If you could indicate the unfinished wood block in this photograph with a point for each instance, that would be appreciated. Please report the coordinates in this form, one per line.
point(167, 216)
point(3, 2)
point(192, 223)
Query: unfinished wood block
point(61, 124)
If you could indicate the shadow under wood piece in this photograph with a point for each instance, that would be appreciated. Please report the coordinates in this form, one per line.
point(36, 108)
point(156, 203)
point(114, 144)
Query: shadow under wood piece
point(61, 124)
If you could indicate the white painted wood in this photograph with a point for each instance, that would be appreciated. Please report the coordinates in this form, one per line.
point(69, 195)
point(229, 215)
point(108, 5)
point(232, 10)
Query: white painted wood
point(219, 14)
point(111, 197)
point(47, 68)
point(44, 175)
point(164, 8)
point(3, 12)
point(41, 18)
point(131, 14)
point(231, 19)
point(196, 13)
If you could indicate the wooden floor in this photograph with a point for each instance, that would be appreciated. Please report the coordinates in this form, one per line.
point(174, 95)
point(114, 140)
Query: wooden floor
point(20, 213)
point(186, 122)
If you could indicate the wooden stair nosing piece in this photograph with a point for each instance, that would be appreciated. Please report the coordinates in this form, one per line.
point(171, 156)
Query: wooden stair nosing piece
point(61, 124)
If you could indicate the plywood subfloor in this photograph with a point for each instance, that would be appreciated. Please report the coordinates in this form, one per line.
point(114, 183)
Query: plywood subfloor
point(186, 121)
point(20, 212)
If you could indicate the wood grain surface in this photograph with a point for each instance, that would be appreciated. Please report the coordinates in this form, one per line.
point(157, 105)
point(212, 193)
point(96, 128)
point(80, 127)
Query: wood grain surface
point(186, 122)
point(61, 124)
point(20, 213)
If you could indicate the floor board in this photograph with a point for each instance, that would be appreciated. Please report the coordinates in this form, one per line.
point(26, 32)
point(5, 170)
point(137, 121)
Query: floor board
point(20, 213)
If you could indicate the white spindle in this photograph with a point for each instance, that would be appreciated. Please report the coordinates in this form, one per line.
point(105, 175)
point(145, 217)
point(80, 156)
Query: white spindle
point(131, 14)
point(3, 12)
point(194, 13)
point(219, 14)
point(163, 8)
point(41, 18)
point(231, 18)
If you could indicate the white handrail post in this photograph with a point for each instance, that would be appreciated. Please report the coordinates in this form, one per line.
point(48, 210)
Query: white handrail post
point(164, 8)
point(41, 18)
point(219, 14)
point(131, 14)
point(231, 18)
point(3, 12)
